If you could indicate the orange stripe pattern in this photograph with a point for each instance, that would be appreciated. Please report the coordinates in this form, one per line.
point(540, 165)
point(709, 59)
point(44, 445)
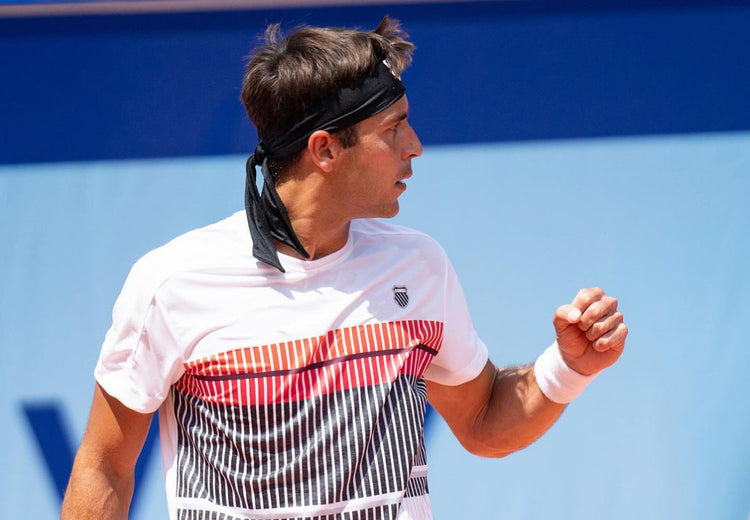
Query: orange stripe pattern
point(341, 359)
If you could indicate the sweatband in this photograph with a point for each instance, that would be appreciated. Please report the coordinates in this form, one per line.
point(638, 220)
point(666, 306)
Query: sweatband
point(558, 381)
point(267, 218)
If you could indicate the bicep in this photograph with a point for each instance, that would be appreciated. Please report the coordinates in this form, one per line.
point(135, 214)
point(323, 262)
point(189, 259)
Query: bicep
point(498, 412)
point(115, 434)
point(463, 406)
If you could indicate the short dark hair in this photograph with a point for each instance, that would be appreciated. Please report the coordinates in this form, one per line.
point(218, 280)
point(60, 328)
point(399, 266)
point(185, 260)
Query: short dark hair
point(288, 73)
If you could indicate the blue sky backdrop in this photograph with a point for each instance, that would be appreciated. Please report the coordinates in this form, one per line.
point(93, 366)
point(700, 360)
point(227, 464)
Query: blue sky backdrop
point(662, 223)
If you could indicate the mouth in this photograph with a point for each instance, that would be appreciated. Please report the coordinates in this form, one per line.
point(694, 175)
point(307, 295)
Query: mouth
point(401, 182)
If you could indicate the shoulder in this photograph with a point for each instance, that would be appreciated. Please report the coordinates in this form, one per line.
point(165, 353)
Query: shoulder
point(208, 247)
point(378, 231)
point(388, 247)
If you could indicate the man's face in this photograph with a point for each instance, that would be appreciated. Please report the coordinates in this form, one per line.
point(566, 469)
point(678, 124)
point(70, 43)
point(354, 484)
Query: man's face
point(377, 166)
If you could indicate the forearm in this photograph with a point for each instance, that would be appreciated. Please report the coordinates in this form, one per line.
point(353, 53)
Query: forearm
point(96, 492)
point(515, 415)
point(502, 411)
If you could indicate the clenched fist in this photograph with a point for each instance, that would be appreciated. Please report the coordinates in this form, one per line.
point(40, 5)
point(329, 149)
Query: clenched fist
point(590, 331)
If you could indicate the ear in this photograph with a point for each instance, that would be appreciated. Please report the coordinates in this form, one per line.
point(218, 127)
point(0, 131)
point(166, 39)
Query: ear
point(324, 149)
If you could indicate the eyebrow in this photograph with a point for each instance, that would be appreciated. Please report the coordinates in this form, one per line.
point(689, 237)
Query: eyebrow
point(399, 116)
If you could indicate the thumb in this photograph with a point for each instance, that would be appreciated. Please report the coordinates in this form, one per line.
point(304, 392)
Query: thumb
point(565, 315)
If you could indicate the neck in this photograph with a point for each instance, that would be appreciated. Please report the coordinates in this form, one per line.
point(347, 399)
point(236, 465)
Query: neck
point(320, 230)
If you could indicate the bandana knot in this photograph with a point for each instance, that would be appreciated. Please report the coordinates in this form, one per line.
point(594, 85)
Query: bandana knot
point(259, 154)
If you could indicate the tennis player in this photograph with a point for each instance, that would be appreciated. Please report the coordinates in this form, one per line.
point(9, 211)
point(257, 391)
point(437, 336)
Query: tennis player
point(290, 349)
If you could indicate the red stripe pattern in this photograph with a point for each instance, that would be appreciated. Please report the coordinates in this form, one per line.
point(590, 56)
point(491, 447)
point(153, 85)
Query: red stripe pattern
point(297, 370)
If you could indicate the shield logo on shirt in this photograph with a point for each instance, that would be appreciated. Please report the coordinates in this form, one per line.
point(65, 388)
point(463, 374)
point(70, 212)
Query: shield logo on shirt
point(401, 296)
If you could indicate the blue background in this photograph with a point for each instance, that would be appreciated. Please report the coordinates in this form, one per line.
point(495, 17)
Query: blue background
point(567, 144)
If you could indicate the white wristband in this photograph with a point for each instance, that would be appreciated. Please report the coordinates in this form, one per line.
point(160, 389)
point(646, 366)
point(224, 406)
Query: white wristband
point(557, 380)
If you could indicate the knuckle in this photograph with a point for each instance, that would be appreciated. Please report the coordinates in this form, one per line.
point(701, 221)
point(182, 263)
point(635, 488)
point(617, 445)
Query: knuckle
point(601, 344)
point(585, 322)
point(597, 331)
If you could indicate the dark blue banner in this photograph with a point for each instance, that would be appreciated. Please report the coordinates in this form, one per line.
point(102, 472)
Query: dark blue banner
point(159, 85)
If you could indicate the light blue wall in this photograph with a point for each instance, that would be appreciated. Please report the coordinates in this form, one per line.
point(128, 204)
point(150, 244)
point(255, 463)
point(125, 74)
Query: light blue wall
point(661, 222)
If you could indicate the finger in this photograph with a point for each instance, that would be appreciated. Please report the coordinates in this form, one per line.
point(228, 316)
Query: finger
point(586, 297)
point(612, 340)
point(604, 325)
point(565, 316)
point(596, 311)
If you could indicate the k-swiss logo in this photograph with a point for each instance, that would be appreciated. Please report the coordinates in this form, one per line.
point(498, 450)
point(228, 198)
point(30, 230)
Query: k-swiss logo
point(401, 296)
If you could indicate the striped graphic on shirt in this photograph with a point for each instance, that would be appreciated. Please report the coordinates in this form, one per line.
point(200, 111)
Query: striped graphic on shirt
point(306, 368)
point(329, 427)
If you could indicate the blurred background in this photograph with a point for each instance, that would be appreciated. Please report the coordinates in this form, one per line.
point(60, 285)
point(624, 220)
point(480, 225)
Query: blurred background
point(567, 144)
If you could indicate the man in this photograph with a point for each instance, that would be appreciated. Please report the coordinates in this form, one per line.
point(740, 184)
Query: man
point(291, 348)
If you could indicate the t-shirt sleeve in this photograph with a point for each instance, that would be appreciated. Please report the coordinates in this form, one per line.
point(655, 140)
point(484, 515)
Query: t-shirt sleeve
point(140, 358)
point(462, 355)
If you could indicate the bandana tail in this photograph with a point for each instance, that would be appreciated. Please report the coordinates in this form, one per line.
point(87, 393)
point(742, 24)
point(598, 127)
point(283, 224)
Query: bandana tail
point(264, 248)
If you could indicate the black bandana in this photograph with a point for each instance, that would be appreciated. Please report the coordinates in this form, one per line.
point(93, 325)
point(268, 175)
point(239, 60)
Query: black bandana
point(266, 214)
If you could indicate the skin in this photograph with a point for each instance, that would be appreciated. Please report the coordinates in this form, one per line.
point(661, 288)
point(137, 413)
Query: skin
point(493, 415)
point(102, 479)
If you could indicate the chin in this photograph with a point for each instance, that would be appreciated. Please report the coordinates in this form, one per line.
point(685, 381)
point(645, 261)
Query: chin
point(385, 210)
point(389, 211)
point(392, 211)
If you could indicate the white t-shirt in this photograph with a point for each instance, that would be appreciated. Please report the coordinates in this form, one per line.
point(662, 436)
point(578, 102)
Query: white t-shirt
point(297, 394)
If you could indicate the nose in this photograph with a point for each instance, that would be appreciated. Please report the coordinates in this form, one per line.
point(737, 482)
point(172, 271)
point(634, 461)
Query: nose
point(413, 147)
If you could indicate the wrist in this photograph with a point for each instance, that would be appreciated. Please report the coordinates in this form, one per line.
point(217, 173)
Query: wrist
point(556, 379)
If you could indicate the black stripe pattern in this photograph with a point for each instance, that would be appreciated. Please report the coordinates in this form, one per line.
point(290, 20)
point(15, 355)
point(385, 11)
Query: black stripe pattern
point(305, 459)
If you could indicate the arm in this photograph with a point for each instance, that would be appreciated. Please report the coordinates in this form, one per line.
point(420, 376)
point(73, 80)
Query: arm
point(498, 412)
point(503, 410)
point(101, 483)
